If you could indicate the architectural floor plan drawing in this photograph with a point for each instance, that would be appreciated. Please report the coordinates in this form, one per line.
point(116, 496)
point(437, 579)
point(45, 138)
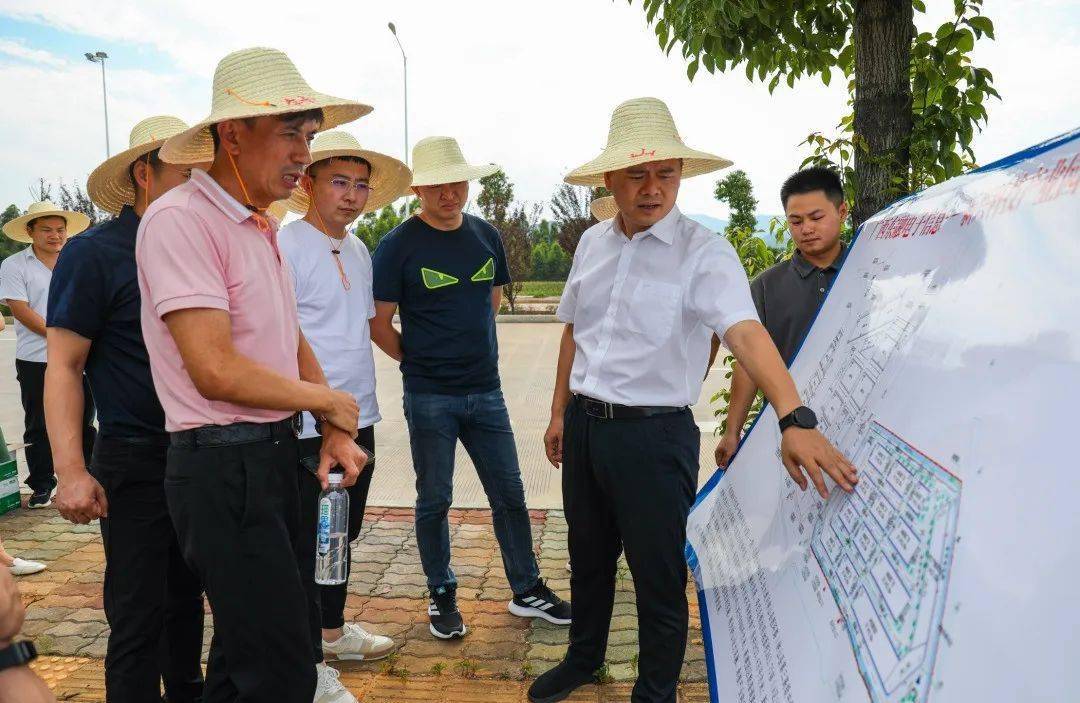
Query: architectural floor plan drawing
point(886, 552)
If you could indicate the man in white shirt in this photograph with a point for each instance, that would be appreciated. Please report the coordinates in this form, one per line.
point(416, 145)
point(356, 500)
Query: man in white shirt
point(24, 285)
point(332, 274)
point(647, 291)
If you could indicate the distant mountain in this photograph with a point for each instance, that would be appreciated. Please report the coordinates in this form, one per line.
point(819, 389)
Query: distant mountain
point(718, 225)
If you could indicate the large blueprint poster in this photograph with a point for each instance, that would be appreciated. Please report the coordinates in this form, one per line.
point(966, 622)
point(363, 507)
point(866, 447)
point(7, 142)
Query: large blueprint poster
point(946, 364)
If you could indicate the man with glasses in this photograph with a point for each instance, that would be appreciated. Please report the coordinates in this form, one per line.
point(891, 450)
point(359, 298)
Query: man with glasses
point(332, 276)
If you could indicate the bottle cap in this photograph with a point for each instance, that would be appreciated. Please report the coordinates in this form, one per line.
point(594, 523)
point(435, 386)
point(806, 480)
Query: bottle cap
point(335, 478)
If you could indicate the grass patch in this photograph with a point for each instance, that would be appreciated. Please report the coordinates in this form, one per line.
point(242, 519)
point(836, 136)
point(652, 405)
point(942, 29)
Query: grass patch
point(542, 289)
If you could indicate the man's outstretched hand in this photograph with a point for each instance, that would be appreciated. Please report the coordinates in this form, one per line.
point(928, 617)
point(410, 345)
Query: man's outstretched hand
point(806, 453)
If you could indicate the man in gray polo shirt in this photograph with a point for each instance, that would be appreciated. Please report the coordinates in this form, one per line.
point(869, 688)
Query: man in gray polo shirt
point(788, 295)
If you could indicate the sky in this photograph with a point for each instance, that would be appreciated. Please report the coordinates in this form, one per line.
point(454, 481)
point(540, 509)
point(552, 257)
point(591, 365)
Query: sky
point(527, 85)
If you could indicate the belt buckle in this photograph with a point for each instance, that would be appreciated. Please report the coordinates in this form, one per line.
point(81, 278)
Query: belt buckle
point(606, 410)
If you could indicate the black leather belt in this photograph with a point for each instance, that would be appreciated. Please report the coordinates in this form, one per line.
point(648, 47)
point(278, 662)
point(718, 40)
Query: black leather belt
point(237, 433)
point(614, 411)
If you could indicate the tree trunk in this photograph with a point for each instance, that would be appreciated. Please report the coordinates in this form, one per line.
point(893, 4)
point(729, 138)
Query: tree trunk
point(883, 120)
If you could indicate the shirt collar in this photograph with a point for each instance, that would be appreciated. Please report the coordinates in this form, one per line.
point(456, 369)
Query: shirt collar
point(664, 229)
point(221, 199)
point(804, 268)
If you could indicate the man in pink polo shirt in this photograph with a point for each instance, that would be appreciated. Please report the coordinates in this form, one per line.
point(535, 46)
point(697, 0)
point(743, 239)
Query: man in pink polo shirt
point(232, 370)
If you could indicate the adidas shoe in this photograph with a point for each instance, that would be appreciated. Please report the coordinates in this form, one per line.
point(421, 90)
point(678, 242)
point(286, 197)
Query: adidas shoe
point(446, 622)
point(541, 602)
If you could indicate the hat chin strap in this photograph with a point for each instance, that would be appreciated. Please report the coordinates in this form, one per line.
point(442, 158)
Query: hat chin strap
point(257, 214)
point(308, 185)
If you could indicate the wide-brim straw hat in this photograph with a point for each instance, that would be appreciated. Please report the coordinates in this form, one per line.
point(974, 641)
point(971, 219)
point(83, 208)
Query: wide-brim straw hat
point(389, 179)
point(110, 186)
point(16, 229)
point(604, 208)
point(642, 130)
point(256, 82)
point(278, 210)
point(438, 160)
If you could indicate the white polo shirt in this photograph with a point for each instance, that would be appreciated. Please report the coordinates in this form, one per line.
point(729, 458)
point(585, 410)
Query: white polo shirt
point(23, 277)
point(335, 320)
point(644, 309)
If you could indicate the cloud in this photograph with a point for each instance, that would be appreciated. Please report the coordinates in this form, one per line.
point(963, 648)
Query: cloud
point(527, 85)
point(18, 50)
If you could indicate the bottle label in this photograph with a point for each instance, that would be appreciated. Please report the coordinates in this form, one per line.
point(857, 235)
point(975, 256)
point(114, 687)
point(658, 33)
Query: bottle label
point(324, 526)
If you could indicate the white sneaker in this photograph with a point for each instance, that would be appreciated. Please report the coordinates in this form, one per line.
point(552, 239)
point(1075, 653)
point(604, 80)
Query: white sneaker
point(358, 644)
point(329, 689)
point(24, 567)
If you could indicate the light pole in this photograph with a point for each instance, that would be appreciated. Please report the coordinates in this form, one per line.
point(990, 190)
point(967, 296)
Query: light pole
point(99, 57)
point(405, 69)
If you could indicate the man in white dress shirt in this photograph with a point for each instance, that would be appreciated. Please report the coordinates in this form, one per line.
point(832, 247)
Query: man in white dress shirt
point(332, 274)
point(647, 291)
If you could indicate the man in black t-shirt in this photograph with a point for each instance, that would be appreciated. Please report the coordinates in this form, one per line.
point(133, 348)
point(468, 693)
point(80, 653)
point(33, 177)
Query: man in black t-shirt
point(445, 271)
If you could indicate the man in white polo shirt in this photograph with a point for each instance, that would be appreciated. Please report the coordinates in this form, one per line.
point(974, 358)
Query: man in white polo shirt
point(332, 275)
point(24, 285)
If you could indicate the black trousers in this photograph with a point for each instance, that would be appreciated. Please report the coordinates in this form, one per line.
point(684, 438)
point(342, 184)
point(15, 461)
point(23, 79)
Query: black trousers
point(236, 510)
point(329, 601)
point(31, 376)
point(630, 482)
point(153, 601)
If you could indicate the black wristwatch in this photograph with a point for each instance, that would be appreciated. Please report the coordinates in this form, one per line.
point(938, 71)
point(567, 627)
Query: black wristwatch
point(801, 416)
point(18, 654)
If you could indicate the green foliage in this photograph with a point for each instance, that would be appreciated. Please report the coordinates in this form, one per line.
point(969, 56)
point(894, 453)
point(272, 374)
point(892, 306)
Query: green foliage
point(948, 107)
point(9, 246)
point(514, 222)
point(572, 216)
point(545, 231)
point(496, 195)
point(786, 41)
point(550, 262)
point(373, 226)
point(543, 289)
point(737, 192)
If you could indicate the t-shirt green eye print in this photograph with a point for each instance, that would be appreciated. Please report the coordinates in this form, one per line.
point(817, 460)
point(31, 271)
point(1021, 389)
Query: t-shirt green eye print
point(486, 272)
point(436, 279)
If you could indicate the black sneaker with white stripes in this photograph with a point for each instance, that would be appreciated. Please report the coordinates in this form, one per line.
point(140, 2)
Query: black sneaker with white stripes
point(445, 619)
point(541, 602)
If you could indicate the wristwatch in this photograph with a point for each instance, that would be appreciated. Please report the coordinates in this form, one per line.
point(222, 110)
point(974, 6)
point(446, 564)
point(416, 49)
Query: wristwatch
point(801, 416)
point(18, 654)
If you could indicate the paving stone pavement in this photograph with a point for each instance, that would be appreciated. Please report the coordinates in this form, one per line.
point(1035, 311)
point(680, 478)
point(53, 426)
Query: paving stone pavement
point(387, 594)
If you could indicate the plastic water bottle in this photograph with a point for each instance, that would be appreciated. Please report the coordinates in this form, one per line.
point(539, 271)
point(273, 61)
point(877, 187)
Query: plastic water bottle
point(331, 542)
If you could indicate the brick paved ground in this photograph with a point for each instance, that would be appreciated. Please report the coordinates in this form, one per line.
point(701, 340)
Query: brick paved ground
point(387, 595)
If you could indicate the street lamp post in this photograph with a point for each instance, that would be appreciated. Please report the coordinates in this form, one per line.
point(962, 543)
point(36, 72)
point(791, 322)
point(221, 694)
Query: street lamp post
point(99, 57)
point(405, 69)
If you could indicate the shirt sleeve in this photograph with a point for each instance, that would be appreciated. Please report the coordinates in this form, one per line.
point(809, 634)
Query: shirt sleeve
point(568, 299)
point(181, 263)
point(502, 269)
point(386, 272)
point(78, 291)
point(365, 258)
point(719, 293)
point(12, 281)
point(293, 255)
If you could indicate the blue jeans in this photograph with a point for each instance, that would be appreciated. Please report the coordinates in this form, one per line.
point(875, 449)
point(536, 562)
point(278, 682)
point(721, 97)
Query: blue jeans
point(481, 422)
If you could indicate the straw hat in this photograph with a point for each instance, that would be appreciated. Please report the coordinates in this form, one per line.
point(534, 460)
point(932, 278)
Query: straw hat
point(438, 160)
point(110, 185)
point(604, 208)
point(256, 83)
point(16, 229)
point(642, 130)
point(389, 177)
